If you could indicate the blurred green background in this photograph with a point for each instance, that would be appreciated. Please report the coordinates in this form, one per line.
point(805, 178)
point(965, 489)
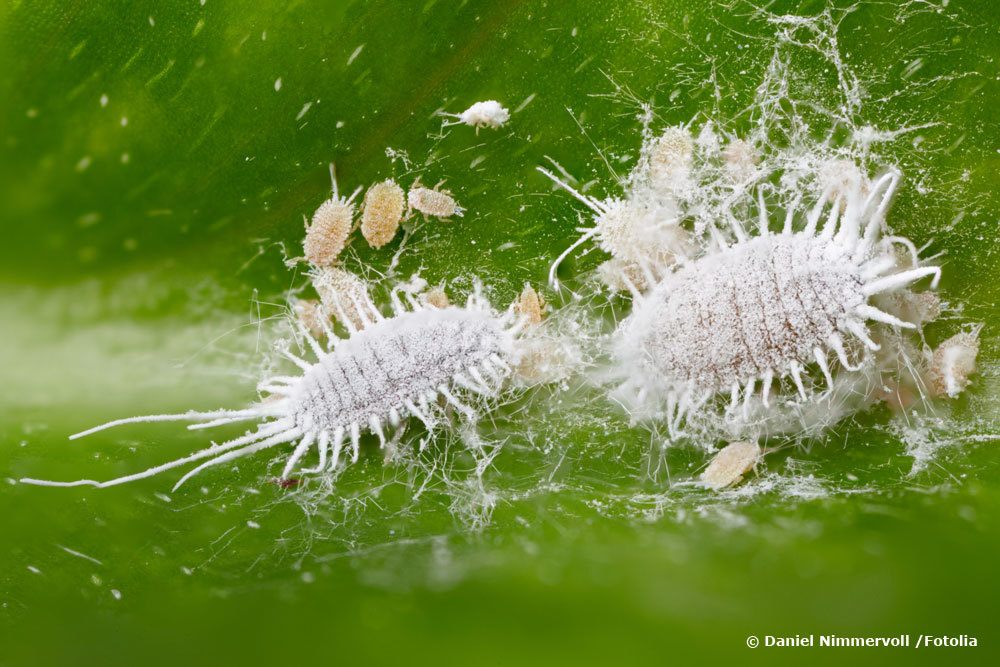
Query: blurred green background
point(157, 157)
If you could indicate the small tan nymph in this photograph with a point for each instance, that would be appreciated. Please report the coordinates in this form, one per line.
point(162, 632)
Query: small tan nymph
point(382, 212)
point(432, 201)
point(326, 234)
point(731, 463)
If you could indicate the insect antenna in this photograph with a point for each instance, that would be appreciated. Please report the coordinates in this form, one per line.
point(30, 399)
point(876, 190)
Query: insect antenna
point(191, 415)
point(265, 431)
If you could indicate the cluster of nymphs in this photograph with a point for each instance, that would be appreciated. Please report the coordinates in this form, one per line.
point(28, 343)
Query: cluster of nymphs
point(372, 372)
point(385, 207)
point(746, 325)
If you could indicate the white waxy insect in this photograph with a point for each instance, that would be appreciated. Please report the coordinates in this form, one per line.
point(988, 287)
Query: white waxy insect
point(669, 158)
point(489, 113)
point(311, 316)
point(432, 201)
point(952, 363)
point(382, 212)
point(413, 365)
point(766, 308)
point(544, 357)
point(343, 296)
point(707, 141)
point(729, 465)
point(739, 161)
point(838, 178)
point(642, 232)
point(326, 234)
point(916, 307)
point(544, 360)
point(622, 276)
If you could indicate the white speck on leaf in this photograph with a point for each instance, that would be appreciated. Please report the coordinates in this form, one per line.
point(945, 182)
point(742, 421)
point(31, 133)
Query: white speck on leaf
point(526, 102)
point(78, 554)
point(355, 54)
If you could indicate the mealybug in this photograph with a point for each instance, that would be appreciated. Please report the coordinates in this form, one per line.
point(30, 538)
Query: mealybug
point(481, 114)
point(326, 235)
point(729, 465)
point(432, 202)
point(383, 209)
point(415, 364)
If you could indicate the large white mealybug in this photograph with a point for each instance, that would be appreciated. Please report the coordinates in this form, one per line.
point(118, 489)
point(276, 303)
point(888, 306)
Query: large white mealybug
point(746, 330)
point(736, 320)
point(419, 363)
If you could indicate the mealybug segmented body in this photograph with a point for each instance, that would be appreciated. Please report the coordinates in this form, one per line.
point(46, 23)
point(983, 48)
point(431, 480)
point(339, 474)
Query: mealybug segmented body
point(730, 463)
point(383, 209)
point(737, 320)
point(415, 364)
point(760, 324)
point(326, 234)
point(432, 201)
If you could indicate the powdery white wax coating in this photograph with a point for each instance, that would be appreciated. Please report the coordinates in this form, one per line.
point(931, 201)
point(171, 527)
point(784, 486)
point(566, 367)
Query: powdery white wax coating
point(489, 113)
point(952, 364)
point(755, 306)
point(388, 363)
